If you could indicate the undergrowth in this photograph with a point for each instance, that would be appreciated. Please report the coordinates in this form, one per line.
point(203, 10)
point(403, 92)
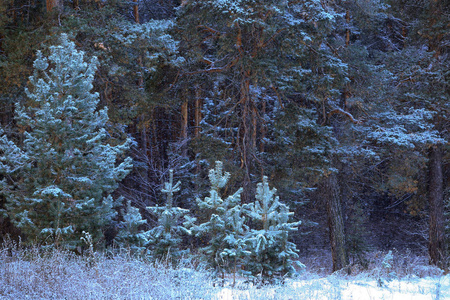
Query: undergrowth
point(36, 273)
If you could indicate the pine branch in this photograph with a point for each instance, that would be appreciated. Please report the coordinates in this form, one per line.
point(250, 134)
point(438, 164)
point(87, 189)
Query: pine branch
point(344, 113)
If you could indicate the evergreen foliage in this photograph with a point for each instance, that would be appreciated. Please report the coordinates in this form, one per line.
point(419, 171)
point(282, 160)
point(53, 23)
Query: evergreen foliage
point(296, 139)
point(256, 61)
point(166, 237)
point(129, 235)
point(263, 252)
point(12, 158)
point(273, 256)
point(222, 225)
point(71, 168)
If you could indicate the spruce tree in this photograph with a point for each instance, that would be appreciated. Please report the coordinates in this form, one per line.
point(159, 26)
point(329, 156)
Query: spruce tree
point(72, 164)
point(166, 237)
point(272, 254)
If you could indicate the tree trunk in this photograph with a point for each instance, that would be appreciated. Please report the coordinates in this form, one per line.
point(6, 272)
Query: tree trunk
point(263, 136)
point(53, 5)
point(198, 111)
point(2, 51)
point(245, 137)
point(335, 224)
point(184, 120)
point(436, 202)
point(136, 11)
point(184, 127)
point(145, 149)
point(347, 31)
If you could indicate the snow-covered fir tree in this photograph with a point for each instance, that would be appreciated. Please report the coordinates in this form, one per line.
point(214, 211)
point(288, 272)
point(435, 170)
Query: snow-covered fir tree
point(272, 255)
point(165, 238)
point(72, 164)
point(223, 227)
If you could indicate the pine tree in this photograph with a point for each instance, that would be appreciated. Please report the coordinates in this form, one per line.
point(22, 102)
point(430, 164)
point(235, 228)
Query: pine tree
point(130, 236)
point(238, 53)
point(264, 68)
point(223, 226)
point(408, 51)
point(166, 237)
point(71, 165)
point(272, 254)
point(12, 159)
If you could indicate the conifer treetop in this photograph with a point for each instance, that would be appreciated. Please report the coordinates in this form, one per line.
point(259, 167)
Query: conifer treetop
point(169, 189)
point(63, 81)
point(218, 177)
point(265, 208)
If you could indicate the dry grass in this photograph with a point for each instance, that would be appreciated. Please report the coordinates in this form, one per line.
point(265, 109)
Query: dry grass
point(404, 264)
point(55, 274)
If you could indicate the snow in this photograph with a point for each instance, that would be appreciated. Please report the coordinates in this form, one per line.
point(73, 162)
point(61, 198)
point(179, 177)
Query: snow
point(334, 287)
point(58, 275)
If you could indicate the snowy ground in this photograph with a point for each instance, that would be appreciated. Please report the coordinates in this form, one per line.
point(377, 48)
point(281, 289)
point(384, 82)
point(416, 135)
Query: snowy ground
point(333, 287)
point(32, 274)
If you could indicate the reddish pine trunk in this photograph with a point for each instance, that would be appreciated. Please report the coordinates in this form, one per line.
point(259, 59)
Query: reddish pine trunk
point(198, 111)
point(52, 5)
point(136, 11)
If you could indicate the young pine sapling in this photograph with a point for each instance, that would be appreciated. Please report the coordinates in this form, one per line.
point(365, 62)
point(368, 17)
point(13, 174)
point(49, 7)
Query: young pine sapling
point(165, 238)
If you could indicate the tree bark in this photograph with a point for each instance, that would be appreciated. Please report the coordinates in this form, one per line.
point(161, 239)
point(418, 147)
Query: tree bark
point(53, 4)
point(184, 127)
point(335, 224)
point(347, 31)
point(436, 202)
point(198, 111)
point(136, 11)
point(147, 157)
point(184, 119)
point(246, 144)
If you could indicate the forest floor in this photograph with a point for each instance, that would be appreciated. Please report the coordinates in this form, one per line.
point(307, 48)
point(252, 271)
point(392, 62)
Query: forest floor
point(336, 287)
point(32, 274)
